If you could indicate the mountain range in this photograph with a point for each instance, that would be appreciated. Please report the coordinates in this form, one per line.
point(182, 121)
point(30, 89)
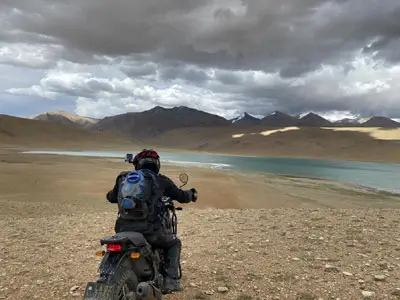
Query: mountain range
point(280, 119)
point(158, 120)
point(194, 130)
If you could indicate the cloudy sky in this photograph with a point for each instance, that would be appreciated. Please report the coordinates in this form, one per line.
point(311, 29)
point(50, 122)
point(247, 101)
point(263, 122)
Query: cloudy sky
point(103, 57)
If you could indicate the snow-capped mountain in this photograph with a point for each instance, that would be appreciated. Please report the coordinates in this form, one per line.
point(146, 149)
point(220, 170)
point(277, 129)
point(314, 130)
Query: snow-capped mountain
point(245, 119)
point(374, 121)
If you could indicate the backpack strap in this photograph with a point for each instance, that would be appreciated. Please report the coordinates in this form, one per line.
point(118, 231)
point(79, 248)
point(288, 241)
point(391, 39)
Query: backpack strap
point(120, 180)
point(156, 194)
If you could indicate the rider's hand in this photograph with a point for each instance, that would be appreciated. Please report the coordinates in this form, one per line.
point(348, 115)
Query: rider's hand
point(194, 195)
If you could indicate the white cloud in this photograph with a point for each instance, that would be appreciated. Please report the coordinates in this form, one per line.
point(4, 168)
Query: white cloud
point(101, 90)
point(336, 58)
point(29, 56)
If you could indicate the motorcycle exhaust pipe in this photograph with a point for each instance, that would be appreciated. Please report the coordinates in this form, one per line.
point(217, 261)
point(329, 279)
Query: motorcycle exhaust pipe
point(147, 291)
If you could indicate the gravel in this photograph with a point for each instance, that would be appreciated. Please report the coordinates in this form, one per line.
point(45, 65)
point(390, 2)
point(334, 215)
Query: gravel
point(227, 254)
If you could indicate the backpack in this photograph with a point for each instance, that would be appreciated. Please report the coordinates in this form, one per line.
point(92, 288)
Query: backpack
point(137, 196)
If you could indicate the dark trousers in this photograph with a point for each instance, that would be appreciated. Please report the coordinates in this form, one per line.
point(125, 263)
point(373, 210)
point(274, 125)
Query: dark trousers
point(171, 245)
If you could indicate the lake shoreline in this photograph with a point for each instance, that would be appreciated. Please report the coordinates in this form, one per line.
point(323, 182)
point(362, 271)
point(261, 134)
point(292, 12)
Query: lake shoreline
point(136, 148)
point(231, 166)
point(219, 188)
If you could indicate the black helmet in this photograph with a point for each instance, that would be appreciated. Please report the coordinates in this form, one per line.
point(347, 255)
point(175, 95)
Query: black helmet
point(147, 159)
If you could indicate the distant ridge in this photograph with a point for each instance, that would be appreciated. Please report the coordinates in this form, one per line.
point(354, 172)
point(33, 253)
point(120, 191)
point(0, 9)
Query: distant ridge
point(381, 122)
point(279, 119)
point(159, 120)
point(39, 133)
point(245, 119)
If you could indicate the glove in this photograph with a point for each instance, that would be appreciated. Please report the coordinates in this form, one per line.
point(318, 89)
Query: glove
point(194, 195)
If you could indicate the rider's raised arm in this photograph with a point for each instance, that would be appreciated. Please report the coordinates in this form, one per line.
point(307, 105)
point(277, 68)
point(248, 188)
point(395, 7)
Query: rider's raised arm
point(112, 196)
point(171, 190)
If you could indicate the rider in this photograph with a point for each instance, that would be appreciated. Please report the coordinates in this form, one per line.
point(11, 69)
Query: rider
point(153, 231)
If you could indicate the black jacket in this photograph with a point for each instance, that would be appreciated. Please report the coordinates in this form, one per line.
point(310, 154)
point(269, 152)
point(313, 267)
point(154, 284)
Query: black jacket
point(168, 188)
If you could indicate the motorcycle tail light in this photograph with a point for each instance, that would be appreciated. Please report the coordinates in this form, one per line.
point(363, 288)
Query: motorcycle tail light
point(114, 247)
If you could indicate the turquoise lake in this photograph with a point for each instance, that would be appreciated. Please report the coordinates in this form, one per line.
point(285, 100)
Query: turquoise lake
point(381, 176)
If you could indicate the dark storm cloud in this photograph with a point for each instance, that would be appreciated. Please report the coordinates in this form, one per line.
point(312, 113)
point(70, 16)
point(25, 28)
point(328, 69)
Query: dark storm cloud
point(139, 70)
point(292, 36)
point(182, 40)
point(178, 70)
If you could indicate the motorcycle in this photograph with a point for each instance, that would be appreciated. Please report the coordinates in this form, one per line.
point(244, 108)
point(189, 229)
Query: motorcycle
point(130, 268)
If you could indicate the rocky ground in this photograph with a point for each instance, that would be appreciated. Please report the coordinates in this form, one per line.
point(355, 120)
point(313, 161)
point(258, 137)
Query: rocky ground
point(227, 254)
point(289, 238)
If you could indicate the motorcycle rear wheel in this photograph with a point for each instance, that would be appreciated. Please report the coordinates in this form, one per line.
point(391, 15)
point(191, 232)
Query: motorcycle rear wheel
point(124, 287)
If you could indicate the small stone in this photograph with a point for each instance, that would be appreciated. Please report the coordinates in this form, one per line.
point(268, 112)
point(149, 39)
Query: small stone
point(39, 281)
point(367, 294)
point(396, 292)
point(209, 293)
point(74, 289)
point(383, 265)
point(295, 258)
point(331, 268)
point(347, 274)
point(360, 281)
point(379, 277)
point(222, 289)
point(192, 284)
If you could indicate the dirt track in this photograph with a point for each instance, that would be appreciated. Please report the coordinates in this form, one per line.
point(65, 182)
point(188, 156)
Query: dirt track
point(289, 239)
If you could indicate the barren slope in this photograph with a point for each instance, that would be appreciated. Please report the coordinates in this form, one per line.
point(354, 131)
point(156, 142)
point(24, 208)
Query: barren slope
point(63, 117)
point(302, 142)
point(157, 121)
point(36, 133)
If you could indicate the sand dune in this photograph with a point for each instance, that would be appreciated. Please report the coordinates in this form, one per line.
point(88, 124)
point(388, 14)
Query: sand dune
point(67, 115)
point(378, 133)
point(326, 143)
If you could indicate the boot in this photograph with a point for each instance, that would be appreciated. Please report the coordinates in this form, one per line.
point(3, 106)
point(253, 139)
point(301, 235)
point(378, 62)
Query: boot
point(171, 285)
point(171, 282)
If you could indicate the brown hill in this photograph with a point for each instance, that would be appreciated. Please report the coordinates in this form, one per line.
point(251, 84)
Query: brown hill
point(64, 117)
point(16, 131)
point(279, 119)
point(158, 120)
point(297, 142)
point(381, 122)
point(313, 120)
